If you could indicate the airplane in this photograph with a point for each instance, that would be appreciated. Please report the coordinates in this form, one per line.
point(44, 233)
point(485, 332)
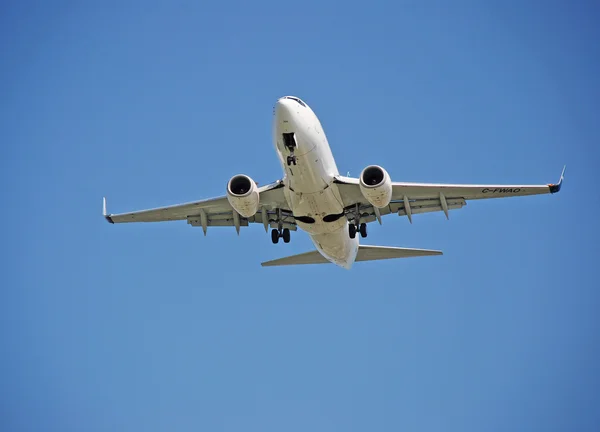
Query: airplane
point(312, 195)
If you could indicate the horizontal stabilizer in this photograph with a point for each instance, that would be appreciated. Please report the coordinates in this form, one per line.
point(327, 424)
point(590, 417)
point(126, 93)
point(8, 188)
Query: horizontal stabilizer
point(365, 253)
point(372, 253)
point(313, 257)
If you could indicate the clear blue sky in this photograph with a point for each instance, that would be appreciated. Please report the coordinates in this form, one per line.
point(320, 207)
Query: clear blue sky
point(153, 327)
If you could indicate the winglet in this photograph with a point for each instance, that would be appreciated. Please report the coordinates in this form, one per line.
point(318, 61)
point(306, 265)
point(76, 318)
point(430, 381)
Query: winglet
point(554, 188)
point(106, 216)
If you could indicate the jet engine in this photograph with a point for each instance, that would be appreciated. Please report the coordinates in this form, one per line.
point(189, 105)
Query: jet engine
point(242, 194)
point(376, 186)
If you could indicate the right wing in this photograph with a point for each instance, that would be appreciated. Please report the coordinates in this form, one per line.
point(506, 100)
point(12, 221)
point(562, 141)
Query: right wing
point(216, 212)
point(415, 198)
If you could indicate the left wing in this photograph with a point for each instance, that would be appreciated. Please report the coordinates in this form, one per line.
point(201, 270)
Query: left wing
point(415, 198)
point(216, 212)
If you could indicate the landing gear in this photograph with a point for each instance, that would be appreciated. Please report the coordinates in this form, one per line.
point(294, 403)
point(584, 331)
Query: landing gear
point(276, 234)
point(363, 230)
point(353, 229)
point(286, 235)
point(289, 141)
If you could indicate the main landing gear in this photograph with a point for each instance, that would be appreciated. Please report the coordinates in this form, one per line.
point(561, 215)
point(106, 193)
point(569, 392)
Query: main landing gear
point(277, 234)
point(354, 228)
point(291, 160)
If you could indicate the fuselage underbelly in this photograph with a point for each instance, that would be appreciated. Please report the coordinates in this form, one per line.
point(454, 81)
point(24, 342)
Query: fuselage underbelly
point(310, 191)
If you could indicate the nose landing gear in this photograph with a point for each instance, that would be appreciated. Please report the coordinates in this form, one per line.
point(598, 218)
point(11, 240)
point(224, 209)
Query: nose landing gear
point(289, 141)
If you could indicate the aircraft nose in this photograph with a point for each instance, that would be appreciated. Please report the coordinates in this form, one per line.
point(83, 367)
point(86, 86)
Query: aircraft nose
point(283, 109)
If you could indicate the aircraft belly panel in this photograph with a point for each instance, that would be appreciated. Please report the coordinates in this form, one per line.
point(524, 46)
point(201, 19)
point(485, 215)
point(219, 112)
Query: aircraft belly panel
point(318, 205)
point(337, 247)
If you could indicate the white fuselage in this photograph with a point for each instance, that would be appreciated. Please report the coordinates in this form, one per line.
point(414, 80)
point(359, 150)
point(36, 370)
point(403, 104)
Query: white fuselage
point(309, 188)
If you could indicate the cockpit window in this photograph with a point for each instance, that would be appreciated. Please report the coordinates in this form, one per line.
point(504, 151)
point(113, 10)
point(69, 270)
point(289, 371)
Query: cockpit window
point(297, 100)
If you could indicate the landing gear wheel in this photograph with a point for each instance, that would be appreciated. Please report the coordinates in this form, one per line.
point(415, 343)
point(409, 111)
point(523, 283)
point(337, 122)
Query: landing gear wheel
point(286, 235)
point(352, 230)
point(275, 236)
point(363, 230)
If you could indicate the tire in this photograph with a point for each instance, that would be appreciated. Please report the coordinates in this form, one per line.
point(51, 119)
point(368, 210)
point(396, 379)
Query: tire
point(275, 236)
point(363, 230)
point(352, 230)
point(286, 235)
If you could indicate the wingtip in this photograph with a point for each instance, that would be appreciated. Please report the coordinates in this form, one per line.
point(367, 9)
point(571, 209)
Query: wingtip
point(555, 188)
point(106, 215)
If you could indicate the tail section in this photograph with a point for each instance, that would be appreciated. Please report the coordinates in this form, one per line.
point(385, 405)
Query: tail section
point(365, 253)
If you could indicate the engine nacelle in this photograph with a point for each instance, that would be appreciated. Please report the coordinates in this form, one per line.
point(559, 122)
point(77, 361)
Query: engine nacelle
point(242, 194)
point(376, 186)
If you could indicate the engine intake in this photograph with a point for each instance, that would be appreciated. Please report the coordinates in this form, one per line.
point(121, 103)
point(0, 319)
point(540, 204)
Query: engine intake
point(376, 186)
point(242, 194)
